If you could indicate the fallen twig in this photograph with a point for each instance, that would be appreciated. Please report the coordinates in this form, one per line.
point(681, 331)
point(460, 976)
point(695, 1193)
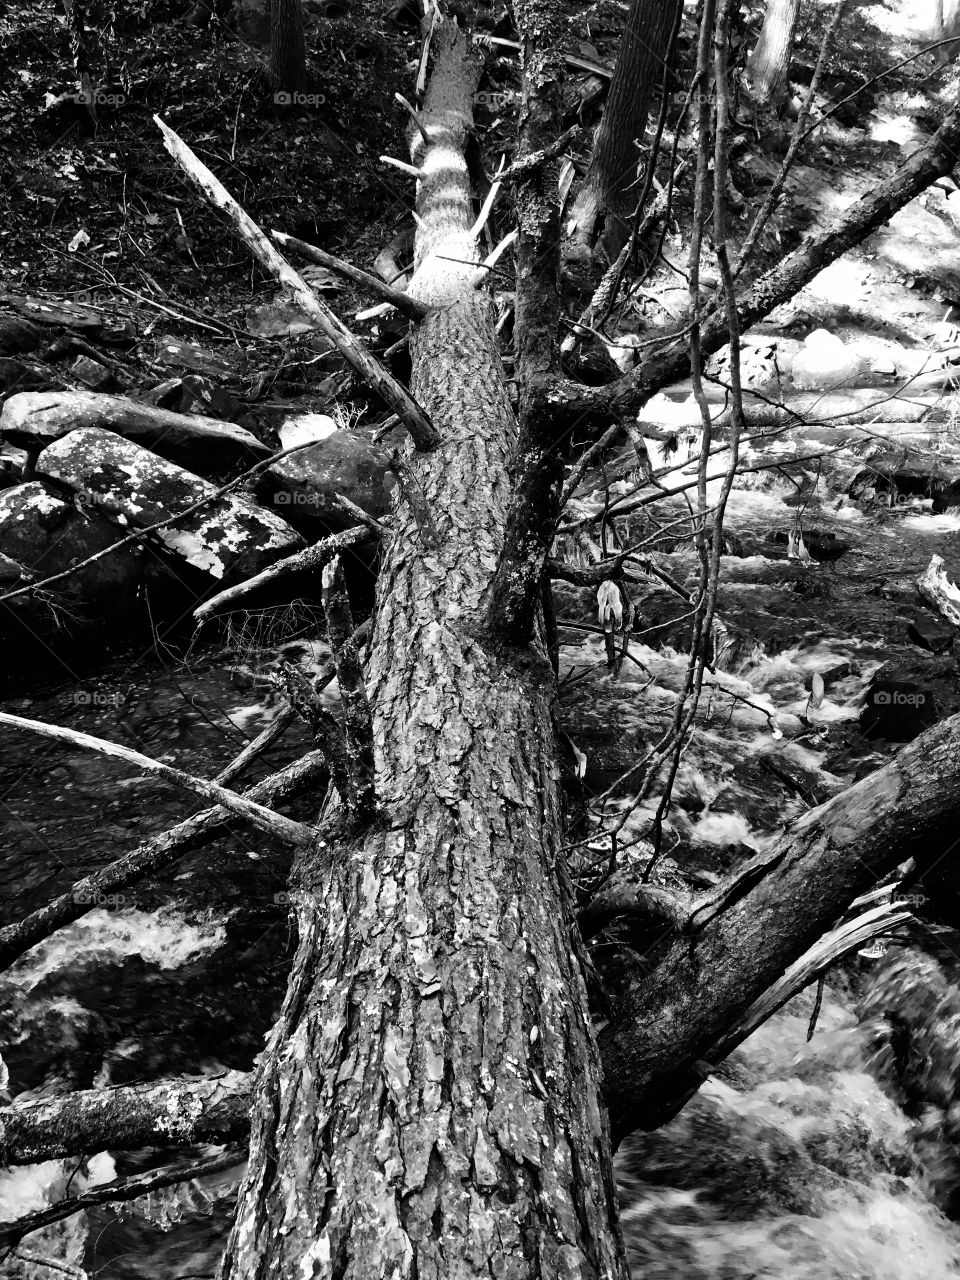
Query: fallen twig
point(275, 824)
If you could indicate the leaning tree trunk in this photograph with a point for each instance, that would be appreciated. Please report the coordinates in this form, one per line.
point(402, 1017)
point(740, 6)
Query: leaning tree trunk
point(428, 1103)
point(770, 61)
point(609, 188)
point(288, 49)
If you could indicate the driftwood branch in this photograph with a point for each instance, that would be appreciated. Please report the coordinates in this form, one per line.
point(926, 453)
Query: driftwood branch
point(153, 855)
point(275, 824)
point(256, 747)
point(11, 1233)
point(127, 1117)
point(396, 297)
point(314, 557)
point(422, 432)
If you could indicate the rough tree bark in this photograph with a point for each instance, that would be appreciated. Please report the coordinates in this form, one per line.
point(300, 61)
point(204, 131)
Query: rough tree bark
point(609, 188)
point(428, 1104)
point(769, 63)
point(288, 48)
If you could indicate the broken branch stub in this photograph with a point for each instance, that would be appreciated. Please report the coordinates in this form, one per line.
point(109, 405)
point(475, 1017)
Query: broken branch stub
point(937, 589)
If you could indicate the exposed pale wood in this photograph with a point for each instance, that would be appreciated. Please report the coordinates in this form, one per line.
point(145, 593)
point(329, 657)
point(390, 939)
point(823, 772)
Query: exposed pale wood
point(42, 416)
point(937, 589)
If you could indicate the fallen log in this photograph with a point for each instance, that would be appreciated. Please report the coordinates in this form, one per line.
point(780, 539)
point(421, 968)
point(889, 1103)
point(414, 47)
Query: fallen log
point(127, 1117)
point(675, 408)
point(671, 1029)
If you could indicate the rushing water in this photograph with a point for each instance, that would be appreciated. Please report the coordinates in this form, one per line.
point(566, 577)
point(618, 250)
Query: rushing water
point(834, 1157)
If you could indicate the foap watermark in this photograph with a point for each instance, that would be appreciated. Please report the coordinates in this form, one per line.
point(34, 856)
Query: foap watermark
point(87, 498)
point(98, 698)
point(897, 698)
point(291, 498)
point(294, 98)
point(90, 898)
point(97, 98)
point(909, 899)
point(493, 99)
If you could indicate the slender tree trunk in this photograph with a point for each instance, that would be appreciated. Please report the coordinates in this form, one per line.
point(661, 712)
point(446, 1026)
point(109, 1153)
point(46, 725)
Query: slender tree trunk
point(428, 1103)
point(769, 63)
point(609, 188)
point(80, 53)
point(288, 49)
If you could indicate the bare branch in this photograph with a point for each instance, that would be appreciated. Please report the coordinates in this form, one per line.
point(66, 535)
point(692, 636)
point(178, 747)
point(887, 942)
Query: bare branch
point(314, 557)
point(935, 159)
point(423, 434)
point(153, 855)
point(11, 1233)
point(396, 297)
point(275, 824)
point(127, 1117)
